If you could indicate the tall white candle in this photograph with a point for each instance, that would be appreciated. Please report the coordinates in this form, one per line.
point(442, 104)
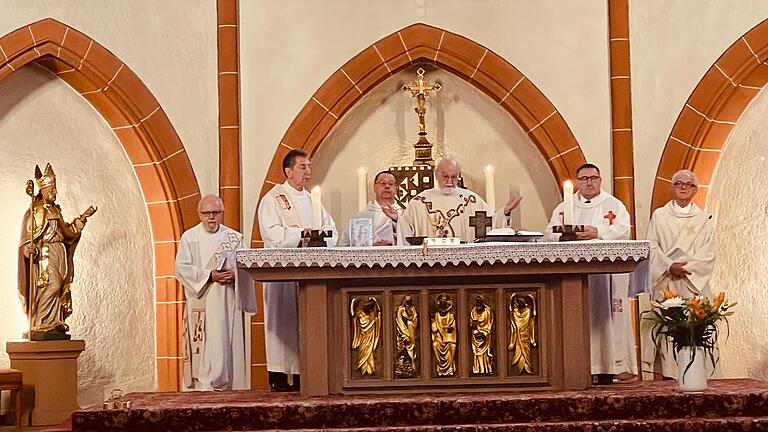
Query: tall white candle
point(490, 188)
point(362, 188)
point(568, 203)
point(317, 205)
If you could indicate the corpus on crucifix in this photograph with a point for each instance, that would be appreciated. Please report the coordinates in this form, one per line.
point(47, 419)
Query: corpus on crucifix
point(412, 180)
point(420, 89)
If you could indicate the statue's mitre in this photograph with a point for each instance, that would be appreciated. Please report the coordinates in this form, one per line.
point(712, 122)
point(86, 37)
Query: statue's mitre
point(45, 179)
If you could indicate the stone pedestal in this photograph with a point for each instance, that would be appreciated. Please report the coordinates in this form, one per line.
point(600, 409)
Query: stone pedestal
point(50, 370)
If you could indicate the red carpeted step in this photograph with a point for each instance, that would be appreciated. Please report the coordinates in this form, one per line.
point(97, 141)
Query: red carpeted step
point(210, 411)
point(734, 424)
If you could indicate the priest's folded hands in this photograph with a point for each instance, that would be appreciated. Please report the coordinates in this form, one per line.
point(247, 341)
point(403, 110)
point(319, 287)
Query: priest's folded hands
point(589, 233)
point(223, 277)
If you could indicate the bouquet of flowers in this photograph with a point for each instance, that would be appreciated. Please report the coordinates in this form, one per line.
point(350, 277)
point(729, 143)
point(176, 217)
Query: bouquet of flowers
point(689, 323)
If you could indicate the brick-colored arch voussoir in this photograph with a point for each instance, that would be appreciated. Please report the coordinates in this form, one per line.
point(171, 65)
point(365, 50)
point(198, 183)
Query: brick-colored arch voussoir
point(708, 116)
point(150, 141)
point(474, 63)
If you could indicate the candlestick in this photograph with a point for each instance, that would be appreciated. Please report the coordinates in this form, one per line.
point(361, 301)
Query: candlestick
point(317, 205)
point(568, 203)
point(490, 189)
point(362, 188)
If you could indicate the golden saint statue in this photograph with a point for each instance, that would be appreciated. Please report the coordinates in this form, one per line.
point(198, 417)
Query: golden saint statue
point(366, 319)
point(522, 331)
point(444, 336)
point(481, 326)
point(46, 267)
point(406, 322)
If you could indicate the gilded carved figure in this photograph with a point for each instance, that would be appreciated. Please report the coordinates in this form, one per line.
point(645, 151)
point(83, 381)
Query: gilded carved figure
point(522, 308)
point(366, 320)
point(444, 336)
point(406, 322)
point(46, 251)
point(481, 326)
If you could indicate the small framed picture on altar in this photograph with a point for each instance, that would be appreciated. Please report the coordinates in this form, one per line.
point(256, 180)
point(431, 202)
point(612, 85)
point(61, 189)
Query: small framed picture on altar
point(361, 232)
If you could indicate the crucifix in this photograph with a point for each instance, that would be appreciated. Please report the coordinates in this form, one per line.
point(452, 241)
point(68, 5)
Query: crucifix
point(480, 222)
point(420, 90)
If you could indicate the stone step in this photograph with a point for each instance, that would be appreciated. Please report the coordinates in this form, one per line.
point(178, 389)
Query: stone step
point(210, 411)
point(731, 424)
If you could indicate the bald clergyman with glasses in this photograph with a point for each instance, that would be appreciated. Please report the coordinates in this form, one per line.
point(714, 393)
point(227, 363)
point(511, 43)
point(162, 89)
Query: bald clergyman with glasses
point(219, 299)
point(610, 323)
point(682, 256)
point(383, 212)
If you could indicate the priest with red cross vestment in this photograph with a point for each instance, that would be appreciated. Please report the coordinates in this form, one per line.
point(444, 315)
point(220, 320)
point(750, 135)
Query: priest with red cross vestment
point(604, 218)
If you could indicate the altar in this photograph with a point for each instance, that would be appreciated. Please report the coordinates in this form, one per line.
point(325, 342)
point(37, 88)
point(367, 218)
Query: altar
point(475, 317)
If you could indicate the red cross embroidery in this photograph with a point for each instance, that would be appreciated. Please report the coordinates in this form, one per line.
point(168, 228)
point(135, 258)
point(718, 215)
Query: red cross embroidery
point(610, 216)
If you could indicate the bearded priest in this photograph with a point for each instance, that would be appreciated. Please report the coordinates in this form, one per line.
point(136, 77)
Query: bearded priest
point(444, 210)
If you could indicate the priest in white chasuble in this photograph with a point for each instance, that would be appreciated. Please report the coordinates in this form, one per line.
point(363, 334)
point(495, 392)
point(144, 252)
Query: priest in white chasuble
point(219, 298)
point(444, 210)
point(284, 212)
point(383, 212)
point(604, 218)
point(682, 258)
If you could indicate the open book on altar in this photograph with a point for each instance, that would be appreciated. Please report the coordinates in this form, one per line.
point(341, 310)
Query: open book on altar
point(510, 235)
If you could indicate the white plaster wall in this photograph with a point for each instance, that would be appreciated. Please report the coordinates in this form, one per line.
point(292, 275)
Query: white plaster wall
point(43, 120)
point(169, 44)
point(289, 48)
point(673, 43)
point(380, 130)
point(740, 204)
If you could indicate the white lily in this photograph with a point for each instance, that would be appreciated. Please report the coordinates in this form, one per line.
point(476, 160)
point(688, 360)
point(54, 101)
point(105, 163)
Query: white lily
point(673, 302)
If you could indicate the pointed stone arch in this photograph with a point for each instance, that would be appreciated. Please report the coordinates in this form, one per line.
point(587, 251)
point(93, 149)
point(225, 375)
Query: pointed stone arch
point(710, 113)
point(476, 64)
point(157, 154)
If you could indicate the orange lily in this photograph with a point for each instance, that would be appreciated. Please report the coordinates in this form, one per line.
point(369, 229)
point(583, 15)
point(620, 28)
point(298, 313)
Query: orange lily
point(668, 294)
point(718, 301)
point(695, 303)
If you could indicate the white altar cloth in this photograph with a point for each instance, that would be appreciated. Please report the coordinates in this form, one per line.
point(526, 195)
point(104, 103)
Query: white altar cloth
point(467, 254)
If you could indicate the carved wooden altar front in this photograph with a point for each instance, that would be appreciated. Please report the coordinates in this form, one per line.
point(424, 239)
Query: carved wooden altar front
point(463, 318)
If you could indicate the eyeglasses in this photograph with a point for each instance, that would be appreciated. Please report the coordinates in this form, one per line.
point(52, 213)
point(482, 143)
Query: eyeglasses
point(448, 177)
point(586, 179)
point(684, 185)
point(212, 213)
point(392, 184)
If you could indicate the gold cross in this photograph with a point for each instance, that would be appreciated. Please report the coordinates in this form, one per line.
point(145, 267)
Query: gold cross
point(420, 89)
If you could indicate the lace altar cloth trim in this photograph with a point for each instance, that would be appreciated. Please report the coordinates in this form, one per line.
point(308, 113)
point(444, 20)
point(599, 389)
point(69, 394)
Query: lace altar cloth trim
point(486, 253)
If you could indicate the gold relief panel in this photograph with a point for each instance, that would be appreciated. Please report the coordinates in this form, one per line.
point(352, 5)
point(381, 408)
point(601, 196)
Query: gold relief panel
point(406, 331)
point(443, 334)
point(523, 348)
point(482, 333)
point(365, 330)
